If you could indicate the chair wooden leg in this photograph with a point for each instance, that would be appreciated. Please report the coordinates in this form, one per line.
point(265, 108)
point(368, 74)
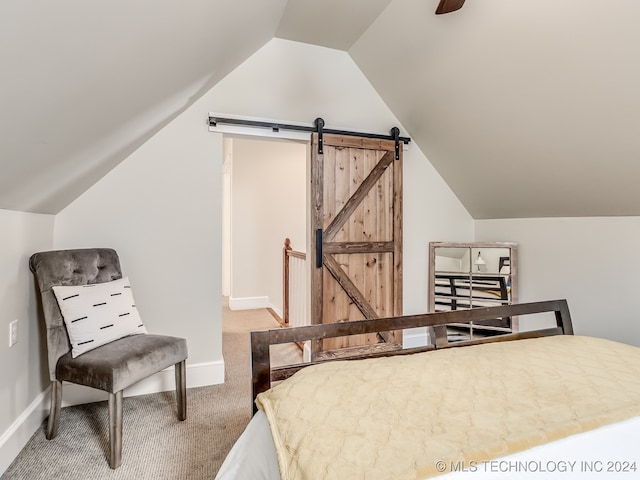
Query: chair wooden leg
point(181, 389)
point(115, 429)
point(54, 410)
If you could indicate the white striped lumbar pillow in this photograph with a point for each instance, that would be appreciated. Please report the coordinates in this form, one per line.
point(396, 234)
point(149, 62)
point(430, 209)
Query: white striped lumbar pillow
point(98, 313)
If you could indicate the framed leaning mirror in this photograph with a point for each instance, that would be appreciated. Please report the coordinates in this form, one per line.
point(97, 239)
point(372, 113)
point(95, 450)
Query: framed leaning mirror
point(471, 275)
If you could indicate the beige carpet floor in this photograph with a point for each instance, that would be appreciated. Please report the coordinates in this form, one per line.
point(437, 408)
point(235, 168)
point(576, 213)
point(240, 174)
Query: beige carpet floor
point(155, 444)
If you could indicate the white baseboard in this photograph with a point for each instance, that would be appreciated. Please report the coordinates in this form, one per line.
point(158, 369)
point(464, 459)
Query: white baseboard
point(252, 303)
point(276, 310)
point(415, 337)
point(19, 433)
point(248, 303)
point(306, 352)
point(198, 375)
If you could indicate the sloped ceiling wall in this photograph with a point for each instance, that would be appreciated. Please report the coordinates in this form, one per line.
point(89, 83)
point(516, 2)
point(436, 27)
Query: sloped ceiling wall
point(328, 23)
point(525, 108)
point(84, 84)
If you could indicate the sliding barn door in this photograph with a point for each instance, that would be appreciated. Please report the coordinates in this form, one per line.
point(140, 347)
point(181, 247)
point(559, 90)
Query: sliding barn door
point(356, 218)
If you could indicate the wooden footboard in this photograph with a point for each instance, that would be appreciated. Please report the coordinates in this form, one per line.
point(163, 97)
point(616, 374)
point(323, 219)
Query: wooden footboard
point(263, 374)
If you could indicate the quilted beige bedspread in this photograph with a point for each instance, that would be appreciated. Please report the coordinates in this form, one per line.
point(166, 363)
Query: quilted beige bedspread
point(394, 418)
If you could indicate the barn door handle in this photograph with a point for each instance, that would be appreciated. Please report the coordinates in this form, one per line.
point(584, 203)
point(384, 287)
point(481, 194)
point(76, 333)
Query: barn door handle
point(319, 248)
point(320, 129)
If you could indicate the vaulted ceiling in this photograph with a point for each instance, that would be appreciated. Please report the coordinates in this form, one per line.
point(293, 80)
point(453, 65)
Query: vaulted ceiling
point(527, 108)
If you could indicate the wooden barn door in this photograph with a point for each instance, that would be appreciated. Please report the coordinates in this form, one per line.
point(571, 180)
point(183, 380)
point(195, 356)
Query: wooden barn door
point(356, 219)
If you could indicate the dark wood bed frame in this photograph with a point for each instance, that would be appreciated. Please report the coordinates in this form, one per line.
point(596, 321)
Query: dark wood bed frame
point(263, 373)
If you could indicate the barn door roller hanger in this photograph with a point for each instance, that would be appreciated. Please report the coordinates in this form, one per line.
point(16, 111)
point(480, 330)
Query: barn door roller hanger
point(318, 127)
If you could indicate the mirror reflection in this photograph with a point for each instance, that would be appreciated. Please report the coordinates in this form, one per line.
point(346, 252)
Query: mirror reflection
point(471, 275)
point(452, 259)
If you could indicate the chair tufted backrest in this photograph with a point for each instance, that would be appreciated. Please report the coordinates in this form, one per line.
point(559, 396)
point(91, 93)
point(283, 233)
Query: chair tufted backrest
point(68, 267)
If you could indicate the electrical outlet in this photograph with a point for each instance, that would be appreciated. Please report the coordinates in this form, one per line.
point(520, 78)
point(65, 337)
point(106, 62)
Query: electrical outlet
point(13, 333)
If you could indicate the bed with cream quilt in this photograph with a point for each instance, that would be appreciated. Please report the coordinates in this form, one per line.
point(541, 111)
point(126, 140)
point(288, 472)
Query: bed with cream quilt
point(537, 406)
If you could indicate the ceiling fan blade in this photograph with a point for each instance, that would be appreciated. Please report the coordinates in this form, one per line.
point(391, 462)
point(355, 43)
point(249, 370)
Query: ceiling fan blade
point(448, 6)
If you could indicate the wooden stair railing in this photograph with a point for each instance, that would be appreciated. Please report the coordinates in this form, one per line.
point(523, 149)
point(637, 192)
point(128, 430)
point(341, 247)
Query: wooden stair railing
point(287, 254)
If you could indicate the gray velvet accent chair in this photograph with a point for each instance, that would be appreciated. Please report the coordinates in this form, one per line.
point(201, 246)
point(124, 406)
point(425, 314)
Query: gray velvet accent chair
point(111, 367)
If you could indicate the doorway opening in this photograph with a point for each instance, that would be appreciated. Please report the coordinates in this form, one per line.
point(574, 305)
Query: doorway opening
point(264, 199)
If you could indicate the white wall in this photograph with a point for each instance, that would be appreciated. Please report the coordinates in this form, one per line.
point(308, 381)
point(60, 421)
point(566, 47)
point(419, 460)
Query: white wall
point(226, 215)
point(268, 204)
point(24, 374)
point(161, 210)
point(592, 262)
